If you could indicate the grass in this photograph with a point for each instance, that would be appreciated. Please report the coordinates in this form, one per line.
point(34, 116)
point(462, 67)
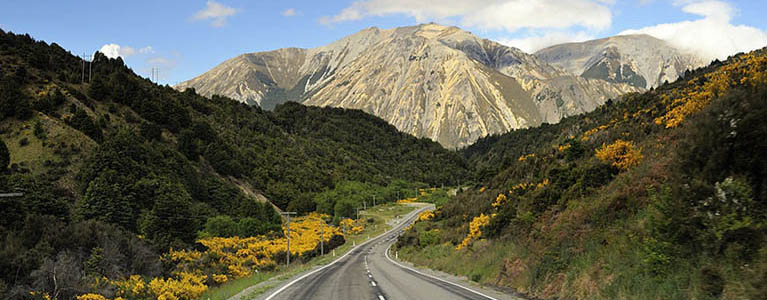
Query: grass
point(381, 214)
point(480, 264)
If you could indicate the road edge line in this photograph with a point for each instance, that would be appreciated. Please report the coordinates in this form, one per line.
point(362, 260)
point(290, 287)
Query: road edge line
point(272, 295)
point(433, 277)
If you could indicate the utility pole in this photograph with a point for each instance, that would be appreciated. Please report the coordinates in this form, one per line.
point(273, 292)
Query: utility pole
point(287, 232)
point(82, 73)
point(322, 240)
point(374, 200)
point(364, 205)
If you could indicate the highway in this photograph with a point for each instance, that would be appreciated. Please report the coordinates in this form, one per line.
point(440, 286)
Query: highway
point(369, 272)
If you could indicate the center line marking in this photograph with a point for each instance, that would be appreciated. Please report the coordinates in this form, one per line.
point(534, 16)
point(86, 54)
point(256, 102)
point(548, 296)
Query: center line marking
point(381, 297)
point(373, 283)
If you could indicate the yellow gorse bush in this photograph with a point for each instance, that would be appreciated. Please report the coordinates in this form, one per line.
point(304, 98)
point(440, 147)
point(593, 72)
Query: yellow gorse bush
point(749, 70)
point(225, 259)
point(40, 295)
point(352, 227)
point(475, 230)
point(499, 201)
point(220, 278)
point(237, 257)
point(186, 286)
point(426, 215)
point(621, 154)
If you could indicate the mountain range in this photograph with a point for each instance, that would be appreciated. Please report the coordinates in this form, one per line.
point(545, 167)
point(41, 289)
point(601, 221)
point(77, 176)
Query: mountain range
point(445, 83)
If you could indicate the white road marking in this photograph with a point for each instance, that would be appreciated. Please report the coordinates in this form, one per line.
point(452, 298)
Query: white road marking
point(381, 297)
point(427, 275)
point(373, 283)
point(410, 215)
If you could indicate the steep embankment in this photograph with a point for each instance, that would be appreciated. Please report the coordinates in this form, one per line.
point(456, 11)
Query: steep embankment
point(660, 195)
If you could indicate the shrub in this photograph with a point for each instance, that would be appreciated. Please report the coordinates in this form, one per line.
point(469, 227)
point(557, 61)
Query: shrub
point(621, 154)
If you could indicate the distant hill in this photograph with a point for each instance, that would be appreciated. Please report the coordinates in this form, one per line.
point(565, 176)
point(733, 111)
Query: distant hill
point(429, 80)
point(639, 60)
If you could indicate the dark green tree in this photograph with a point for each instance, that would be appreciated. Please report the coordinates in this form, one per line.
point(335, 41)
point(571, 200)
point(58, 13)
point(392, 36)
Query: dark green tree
point(170, 222)
point(5, 156)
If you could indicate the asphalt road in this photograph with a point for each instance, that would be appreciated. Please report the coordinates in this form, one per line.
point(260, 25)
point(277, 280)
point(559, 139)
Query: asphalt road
point(367, 272)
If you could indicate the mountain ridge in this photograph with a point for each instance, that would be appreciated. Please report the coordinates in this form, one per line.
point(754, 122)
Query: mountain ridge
point(640, 59)
point(428, 80)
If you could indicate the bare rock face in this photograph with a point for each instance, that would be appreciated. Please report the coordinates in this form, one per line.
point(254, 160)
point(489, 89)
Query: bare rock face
point(431, 81)
point(639, 60)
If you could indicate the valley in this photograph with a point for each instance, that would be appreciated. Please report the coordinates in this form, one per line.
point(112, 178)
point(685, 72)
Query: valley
point(411, 162)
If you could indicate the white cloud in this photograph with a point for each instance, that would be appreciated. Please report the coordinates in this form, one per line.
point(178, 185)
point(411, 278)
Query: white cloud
point(509, 15)
point(534, 43)
point(115, 50)
point(713, 35)
point(216, 12)
point(146, 50)
point(290, 12)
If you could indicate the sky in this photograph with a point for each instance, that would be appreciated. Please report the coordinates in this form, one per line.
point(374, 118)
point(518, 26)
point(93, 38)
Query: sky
point(184, 39)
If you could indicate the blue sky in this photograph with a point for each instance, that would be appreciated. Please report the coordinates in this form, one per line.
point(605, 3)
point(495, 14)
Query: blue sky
point(186, 38)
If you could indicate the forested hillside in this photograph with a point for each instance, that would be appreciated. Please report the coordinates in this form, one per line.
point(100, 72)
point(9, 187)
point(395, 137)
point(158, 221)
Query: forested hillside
point(660, 195)
point(115, 170)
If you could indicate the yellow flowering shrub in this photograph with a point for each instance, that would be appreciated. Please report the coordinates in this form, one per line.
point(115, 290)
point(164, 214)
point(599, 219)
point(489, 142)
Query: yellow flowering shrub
point(475, 230)
point(526, 157)
point(621, 154)
point(748, 70)
point(187, 286)
point(352, 227)
point(237, 257)
point(91, 297)
point(426, 215)
point(39, 295)
point(220, 278)
point(500, 200)
point(133, 288)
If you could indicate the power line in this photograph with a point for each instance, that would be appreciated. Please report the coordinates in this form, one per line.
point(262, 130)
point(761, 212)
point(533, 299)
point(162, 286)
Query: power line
point(155, 74)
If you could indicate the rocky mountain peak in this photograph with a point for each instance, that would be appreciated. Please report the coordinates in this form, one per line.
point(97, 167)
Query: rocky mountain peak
point(429, 80)
point(639, 60)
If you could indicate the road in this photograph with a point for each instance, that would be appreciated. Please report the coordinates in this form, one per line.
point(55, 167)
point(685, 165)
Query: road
point(367, 272)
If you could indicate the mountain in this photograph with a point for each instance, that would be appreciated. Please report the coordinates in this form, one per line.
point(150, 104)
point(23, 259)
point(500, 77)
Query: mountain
point(658, 195)
point(429, 80)
point(639, 60)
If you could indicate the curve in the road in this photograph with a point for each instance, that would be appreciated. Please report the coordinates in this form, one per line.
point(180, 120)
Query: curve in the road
point(317, 282)
point(368, 272)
